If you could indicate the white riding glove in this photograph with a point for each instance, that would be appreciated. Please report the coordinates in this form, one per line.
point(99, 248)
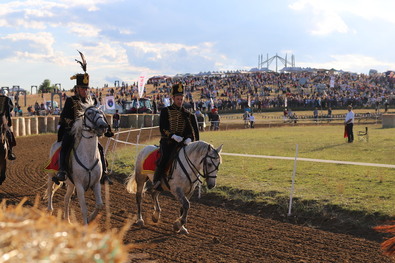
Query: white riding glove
point(187, 141)
point(177, 138)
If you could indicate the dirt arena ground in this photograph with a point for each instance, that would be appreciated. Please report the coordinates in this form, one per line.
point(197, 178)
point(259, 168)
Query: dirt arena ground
point(220, 230)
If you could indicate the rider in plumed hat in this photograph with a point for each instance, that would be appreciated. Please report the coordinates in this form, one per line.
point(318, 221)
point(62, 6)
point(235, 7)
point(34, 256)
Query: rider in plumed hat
point(72, 107)
point(177, 127)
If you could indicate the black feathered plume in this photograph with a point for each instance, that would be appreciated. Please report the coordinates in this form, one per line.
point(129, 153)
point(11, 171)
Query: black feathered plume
point(83, 63)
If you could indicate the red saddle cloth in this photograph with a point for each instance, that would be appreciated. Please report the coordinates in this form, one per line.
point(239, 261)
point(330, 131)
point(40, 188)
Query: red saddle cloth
point(53, 164)
point(149, 163)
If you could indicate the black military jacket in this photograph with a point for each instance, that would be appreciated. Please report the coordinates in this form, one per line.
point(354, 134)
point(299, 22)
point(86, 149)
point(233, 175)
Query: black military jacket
point(176, 120)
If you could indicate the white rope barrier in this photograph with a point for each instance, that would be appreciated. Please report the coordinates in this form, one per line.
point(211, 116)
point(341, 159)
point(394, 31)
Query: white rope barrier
point(310, 160)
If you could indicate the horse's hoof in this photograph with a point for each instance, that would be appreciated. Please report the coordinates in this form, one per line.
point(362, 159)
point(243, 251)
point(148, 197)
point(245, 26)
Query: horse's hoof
point(139, 223)
point(155, 217)
point(183, 231)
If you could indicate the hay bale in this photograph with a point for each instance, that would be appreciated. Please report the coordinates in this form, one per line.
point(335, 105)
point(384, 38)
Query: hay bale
point(32, 235)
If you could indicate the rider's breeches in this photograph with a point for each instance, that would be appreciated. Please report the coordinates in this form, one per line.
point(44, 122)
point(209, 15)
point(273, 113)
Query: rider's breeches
point(67, 144)
point(11, 138)
point(167, 150)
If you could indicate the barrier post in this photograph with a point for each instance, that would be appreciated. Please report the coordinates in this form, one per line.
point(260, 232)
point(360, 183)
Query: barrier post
point(293, 182)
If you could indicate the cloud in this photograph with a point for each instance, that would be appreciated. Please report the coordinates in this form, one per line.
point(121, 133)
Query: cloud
point(352, 62)
point(174, 58)
point(90, 5)
point(83, 30)
point(324, 18)
point(29, 45)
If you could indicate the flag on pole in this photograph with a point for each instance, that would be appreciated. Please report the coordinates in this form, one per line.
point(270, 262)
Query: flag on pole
point(141, 83)
point(110, 103)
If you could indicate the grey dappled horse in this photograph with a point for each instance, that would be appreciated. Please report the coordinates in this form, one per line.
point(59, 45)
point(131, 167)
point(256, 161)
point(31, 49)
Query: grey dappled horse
point(85, 167)
point(194, 161)
point(3, 149)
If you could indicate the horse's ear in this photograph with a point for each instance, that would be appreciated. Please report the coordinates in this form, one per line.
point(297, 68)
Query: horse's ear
point(219, 149)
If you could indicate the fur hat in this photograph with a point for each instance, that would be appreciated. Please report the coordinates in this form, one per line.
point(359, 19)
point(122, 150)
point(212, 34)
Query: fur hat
point(177, 90)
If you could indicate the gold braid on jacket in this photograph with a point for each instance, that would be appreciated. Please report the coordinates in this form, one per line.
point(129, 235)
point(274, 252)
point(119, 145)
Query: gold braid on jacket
point(179, 119)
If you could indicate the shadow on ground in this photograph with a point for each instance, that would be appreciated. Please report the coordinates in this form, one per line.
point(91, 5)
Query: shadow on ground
point(310, 213)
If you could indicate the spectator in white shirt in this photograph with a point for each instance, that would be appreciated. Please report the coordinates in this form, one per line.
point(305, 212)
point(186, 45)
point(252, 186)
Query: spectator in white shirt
point(349, 122)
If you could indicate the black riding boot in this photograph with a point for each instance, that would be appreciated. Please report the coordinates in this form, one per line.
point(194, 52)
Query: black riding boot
point(104, 177)
point(11, 155)
point(158, 175)
point(67, 143)
point(61, 175)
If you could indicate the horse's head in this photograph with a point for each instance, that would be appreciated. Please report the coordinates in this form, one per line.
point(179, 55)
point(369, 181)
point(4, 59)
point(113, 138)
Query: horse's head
point(211, 162)
point(95, 121)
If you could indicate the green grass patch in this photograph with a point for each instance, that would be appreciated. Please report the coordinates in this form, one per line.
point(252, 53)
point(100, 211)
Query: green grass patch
point(351, 194)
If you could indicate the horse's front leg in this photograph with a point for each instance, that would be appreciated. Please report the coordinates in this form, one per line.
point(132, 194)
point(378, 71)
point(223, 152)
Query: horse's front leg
point(99, 202)
point(157, 209)
point(81, 200)
point(179, 224)
point(67, 199)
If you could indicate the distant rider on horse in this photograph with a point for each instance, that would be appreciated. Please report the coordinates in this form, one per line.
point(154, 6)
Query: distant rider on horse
point(176, 126)
point(69, 115)
point(6, 107)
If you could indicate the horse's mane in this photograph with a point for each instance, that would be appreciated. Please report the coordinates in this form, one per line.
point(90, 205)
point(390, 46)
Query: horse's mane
point(77, 126)
point(198, 147)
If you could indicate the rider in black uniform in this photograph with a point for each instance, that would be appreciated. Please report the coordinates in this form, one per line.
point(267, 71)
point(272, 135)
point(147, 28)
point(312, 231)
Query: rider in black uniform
point(72, 106)
point(176, 126)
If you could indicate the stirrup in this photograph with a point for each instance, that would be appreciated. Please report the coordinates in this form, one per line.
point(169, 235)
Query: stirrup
point(60, 176)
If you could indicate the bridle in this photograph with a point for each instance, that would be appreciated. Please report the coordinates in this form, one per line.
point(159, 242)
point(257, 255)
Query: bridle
point(206, 173)
point(195, 171)
point(93, 119)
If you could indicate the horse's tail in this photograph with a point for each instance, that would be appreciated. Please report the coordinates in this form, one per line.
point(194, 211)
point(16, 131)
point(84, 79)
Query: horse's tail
point(131, 184)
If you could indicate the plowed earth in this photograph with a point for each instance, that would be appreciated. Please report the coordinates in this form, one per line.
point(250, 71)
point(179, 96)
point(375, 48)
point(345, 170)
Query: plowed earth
point(220, 230)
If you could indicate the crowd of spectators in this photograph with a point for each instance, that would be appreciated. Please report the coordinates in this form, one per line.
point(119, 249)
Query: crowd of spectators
point(278, 90)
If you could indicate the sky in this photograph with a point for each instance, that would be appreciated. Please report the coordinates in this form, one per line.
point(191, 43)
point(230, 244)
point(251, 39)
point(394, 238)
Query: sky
point(124, 39)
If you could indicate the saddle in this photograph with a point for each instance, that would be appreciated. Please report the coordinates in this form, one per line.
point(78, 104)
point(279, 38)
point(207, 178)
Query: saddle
point(149, 163)
point(53, 164)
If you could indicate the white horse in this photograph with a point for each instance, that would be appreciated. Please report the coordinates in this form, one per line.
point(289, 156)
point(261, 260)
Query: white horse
point(193, 162)
point(85, 167)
